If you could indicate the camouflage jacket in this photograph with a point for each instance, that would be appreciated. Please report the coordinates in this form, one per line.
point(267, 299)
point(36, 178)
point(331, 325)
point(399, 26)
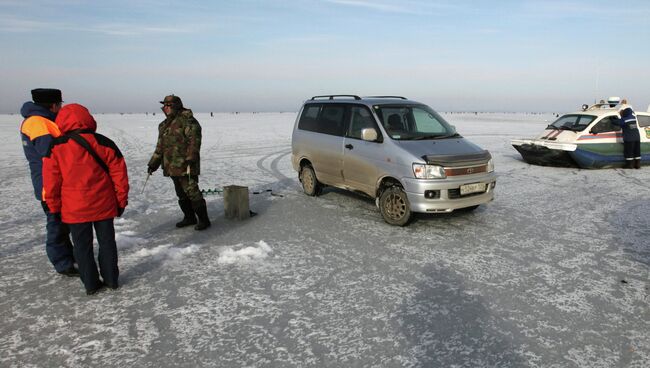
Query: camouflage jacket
point(179, 143)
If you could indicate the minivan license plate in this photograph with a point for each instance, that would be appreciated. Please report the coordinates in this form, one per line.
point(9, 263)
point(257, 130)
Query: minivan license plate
point(472, 188)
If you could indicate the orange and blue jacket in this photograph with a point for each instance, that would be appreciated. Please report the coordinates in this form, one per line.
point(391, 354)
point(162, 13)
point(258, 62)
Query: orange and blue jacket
point(37, 132)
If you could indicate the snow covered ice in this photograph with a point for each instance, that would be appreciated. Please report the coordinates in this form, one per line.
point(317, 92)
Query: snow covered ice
point(553, 272)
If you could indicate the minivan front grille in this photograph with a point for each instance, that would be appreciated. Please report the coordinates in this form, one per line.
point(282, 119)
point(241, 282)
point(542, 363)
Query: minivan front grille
point(458, 171)
point(455, 194)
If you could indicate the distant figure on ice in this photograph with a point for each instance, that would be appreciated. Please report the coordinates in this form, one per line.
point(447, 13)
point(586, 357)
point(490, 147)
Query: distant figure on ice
point(177, 149)
point(37, 132)
point(85, 180)
point(631, 136)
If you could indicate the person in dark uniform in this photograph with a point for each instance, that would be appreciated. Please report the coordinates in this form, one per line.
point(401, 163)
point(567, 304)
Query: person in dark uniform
point(37, 133)
point(631, 137)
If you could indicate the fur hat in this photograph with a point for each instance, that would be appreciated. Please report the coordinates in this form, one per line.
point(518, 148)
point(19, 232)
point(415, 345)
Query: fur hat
point(46, 95)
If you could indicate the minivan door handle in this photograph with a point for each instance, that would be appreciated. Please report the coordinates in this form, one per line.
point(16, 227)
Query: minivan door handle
point(349, 146)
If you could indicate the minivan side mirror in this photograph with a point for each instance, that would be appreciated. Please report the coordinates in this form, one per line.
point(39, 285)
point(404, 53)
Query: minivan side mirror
point(369, 134)
point(453, 130)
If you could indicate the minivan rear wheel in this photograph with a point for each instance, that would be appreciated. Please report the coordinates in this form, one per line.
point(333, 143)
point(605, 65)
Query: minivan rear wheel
point(394, 206)
point(310, 184)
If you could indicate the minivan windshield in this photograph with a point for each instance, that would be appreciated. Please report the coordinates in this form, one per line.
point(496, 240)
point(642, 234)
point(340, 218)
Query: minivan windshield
point(413, 122)
point(575, 122)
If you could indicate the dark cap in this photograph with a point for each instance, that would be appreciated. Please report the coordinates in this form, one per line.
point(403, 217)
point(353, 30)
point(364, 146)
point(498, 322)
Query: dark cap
point(172, 99)
point(46, 95)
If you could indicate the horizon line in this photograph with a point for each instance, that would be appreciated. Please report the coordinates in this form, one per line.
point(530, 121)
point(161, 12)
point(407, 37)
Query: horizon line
point(295, 112)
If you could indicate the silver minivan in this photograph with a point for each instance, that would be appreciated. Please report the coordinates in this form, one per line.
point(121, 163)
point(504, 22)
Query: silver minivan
point(399, 152)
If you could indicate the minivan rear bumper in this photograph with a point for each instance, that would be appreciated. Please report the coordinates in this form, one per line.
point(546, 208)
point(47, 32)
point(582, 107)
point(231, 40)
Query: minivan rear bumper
point(445, 193)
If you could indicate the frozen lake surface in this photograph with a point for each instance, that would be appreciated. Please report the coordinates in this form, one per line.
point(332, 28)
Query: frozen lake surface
point(552, 273)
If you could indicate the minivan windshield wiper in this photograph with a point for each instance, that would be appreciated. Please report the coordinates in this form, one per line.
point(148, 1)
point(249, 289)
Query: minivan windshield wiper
point(436, 136)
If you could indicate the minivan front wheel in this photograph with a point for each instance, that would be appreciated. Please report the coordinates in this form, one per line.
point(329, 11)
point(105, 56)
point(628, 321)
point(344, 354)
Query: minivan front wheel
point(394, 206)
point(310, 184)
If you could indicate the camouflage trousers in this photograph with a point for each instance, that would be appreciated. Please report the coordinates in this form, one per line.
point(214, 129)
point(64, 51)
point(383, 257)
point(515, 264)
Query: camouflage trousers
point(187, 188)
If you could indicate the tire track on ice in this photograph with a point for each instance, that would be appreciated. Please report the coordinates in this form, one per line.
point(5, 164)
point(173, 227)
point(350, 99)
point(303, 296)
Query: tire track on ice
point(283, 181)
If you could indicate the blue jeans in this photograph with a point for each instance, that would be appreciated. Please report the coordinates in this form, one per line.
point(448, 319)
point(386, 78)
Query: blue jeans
point(57, 241)
point(82, 236)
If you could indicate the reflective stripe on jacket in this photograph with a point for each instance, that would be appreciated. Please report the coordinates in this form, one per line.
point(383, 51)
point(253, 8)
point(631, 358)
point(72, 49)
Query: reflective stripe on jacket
point(628, 124)
point(37, 134)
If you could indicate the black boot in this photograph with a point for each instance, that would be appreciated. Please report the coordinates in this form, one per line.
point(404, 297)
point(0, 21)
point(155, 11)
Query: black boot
point(70, 272)
point(202, 212)
point(629, 164)
point(190, 218)
point(637, 163)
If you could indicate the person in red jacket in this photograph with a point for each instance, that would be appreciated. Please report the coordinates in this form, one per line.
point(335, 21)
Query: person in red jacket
point(85, 180)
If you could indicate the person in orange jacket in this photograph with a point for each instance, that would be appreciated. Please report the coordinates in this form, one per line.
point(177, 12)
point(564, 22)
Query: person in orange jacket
point(37, 132)
point(85, 180)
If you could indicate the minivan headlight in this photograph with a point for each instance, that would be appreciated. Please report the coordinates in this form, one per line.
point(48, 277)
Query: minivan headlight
point(490, 166)
point(422, 171)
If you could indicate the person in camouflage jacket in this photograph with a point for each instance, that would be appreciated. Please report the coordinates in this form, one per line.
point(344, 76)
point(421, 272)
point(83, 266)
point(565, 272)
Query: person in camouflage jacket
point(177, 150)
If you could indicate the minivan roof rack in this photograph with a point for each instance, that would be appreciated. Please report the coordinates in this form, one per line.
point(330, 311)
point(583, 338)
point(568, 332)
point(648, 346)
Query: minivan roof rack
point(400, 97)
point(331, 97)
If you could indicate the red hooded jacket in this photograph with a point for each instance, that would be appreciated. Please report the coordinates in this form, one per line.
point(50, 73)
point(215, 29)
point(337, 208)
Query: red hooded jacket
point(74, 183)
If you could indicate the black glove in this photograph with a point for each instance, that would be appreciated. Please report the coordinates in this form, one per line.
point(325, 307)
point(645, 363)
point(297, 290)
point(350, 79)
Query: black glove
point(120, 211)
point(151, 169)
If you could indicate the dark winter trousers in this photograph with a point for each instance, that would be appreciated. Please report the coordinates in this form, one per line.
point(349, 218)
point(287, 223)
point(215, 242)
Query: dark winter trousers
point(82, 236)
point(57, 241)
point(632, 150)
point(187, 188)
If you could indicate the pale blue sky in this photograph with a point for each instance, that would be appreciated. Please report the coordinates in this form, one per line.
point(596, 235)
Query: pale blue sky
point(124, 56)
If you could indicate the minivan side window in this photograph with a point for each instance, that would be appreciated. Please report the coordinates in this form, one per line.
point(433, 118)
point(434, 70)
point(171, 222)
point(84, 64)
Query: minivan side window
point(309, 118)
point(360, 118)
point(331, 120)
point(323, 118)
